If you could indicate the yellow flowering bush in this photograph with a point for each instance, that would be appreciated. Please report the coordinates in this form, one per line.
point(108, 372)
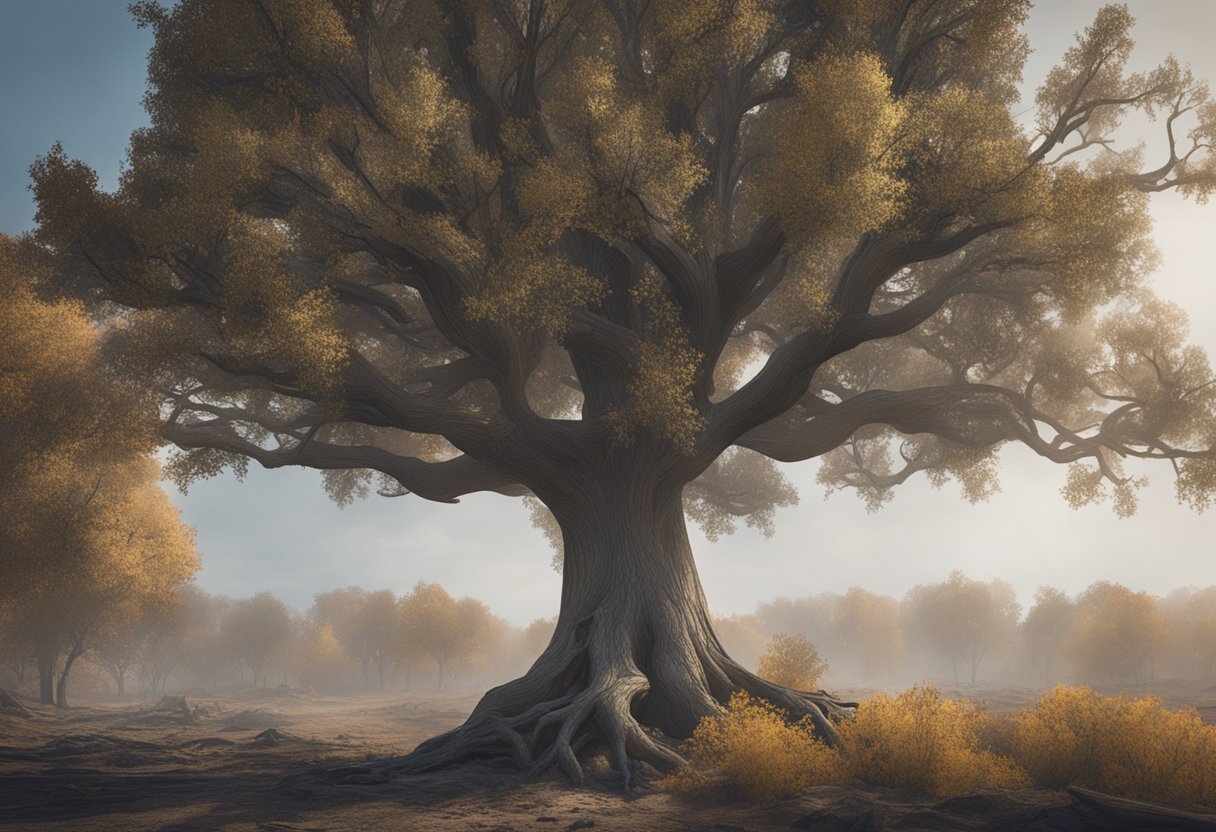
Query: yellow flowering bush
point(1133, 747)
point(919, 741)
point(755, 749)
point(922, 742)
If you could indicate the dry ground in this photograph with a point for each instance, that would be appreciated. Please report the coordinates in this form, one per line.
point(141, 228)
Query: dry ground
point(255, 760)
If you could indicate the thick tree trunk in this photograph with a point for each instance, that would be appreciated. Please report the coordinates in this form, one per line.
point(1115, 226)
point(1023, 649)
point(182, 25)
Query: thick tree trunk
point(633, 664)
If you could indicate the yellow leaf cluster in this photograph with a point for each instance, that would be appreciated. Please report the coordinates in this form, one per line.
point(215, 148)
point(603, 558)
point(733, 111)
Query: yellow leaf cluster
point(660, 395)
point(834, 170)
point(792, 661)
point(921, 741)
point(528, 282)
point(621, 143)
point(1096, 233)
point(306, 333)
point(976, 470)
point(1134, 747)
point(757, 751)
point(924, 743)
point(1196, 483)
point(690, 39)
point(964, 155)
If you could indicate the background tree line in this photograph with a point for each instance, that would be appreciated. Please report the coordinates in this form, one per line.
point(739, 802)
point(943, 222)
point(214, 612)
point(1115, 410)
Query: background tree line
point(351, 639)
point(963, 630)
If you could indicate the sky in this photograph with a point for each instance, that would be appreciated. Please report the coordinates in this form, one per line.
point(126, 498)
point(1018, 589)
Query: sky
point(73, 71)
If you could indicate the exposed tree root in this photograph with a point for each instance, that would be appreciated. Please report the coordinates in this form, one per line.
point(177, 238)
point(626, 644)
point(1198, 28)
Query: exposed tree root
point(561, 714)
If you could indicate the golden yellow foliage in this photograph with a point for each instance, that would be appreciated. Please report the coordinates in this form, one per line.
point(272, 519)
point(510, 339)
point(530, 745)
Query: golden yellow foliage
point(1058, 741)
point(1128, 746)
point(833, 170)
point(923, 742)
point(661, 395)
point(754, 747)
point(792, 662)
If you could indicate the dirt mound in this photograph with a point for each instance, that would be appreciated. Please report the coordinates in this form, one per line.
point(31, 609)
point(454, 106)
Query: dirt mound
point(11, 706)
point(174, 710)
point(271, 737)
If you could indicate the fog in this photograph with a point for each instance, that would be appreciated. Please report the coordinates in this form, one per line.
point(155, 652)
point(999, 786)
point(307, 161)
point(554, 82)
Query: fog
point(956, 632)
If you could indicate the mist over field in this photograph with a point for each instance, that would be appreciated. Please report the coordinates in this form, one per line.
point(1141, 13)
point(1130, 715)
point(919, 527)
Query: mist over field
point(958, 632)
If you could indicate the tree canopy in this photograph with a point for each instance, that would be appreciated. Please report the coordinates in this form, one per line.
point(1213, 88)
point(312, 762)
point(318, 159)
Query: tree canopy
point(456, 244)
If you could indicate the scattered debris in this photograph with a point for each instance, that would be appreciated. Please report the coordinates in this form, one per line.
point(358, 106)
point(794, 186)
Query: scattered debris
point(11, 706)
point(171, 709)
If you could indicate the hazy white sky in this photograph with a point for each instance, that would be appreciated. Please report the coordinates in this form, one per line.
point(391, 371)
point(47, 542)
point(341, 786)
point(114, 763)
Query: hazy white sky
point(73, 71)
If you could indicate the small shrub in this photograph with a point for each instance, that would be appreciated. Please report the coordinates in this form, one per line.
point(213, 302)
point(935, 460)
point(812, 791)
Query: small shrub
point(922, 742)
point(1133, 747)
point(792, 662)
point(942, 747)
point(754, 748)
point(1058, 740)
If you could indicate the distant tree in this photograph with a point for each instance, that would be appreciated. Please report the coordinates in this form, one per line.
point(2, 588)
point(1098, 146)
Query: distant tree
point(89, 540)
point(868, 633)
point(963, 619)
point(743, 636)
point(338, 609)
point(377, 624)
point(207, 659)
point(537, 635)
point(367, 624)
point(257, 632)
point(811, 616)
point(451, 631)
point(1046, 630)
point(1117, 634)
point(167, 635)
point(119, 652)
point(320, 658)
point(792, 661)
point(622, 257)
point(1191, 621)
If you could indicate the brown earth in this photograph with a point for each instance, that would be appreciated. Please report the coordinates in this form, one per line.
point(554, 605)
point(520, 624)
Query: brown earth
point(257, 760)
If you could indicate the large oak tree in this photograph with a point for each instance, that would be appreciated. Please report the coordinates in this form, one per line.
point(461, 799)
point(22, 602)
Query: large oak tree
point(619, 255)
